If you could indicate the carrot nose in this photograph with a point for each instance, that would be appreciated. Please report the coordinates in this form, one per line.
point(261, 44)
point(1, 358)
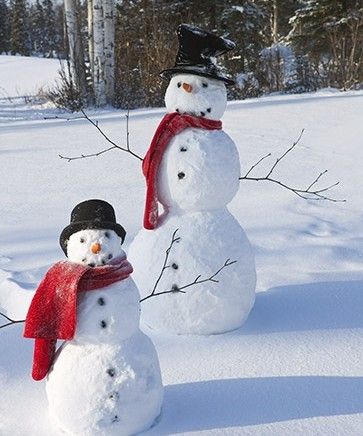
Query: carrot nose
point(187, 87)
point(96, 248)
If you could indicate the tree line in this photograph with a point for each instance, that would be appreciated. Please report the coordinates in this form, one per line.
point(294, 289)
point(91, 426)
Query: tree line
point(116, 50)
point(32, 29)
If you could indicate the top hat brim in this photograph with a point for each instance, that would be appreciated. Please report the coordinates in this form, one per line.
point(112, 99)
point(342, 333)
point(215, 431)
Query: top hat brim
point(83, 225)
point(169, 72)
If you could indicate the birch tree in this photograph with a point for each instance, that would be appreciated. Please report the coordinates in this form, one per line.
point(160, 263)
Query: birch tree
point(103, 50)
point(76, 50)
point(101, 47)
point(90, 34)
point(109, 49)
point(99, 54)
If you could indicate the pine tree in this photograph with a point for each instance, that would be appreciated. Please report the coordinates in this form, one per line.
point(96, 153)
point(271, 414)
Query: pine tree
point(243, 24)
point(36, 18)
point(331, 32)
point(60, 43)
point(279, 13)
point(4, 27)
point(49, 39)
point(19, 31)
point(146, 43)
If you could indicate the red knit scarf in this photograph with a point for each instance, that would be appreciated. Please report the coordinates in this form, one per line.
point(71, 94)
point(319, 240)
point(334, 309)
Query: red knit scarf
point(169, 126)
point(53, 311)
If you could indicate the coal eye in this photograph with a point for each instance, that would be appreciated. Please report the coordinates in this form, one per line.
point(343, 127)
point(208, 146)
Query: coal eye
point(82, 240)
point(205, 85)
point(178, 84)
point(107, 235)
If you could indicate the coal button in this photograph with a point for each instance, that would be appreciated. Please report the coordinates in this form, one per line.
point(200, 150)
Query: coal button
point(111, 372)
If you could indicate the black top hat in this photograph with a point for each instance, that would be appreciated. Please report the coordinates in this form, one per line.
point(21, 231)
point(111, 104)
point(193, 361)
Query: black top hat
point(91, 214)
point(197, 48)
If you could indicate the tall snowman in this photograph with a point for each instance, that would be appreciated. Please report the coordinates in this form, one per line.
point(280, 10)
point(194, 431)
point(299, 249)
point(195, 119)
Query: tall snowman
point(105, 378)
point(192, 171)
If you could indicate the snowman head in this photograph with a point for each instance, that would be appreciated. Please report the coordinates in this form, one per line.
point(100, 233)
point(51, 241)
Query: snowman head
point(93, 236)
point(196, 95)
point(94, 247)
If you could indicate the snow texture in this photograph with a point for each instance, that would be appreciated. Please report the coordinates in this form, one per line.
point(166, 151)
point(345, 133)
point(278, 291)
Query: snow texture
point(199, 171)
point(295, 367)
point(106, 381)
point(24, 76)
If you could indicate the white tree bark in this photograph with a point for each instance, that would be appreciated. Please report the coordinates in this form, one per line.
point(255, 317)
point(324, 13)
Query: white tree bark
point(99, 54)
point(109, 48)
point(90, 35)
point(76, 52)
point(275, 36)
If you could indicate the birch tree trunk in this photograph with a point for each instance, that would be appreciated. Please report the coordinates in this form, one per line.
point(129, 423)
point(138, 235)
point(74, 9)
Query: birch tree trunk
point(76, 52)
point(109, 49)
point(99, 54)
point(90, 35)
point(274, 18)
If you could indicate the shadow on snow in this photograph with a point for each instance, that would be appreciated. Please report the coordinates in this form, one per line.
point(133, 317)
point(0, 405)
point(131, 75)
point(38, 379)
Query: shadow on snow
point(241, 402)
point(313, 306)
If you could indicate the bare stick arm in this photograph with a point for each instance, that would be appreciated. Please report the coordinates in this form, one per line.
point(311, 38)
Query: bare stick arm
point(11, 321)
point(180, 289)
point(309, 193)
point(114, 146)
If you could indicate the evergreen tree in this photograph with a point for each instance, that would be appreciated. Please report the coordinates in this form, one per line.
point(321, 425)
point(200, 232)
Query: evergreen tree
point(279, 13)
point(331, 32)
point(60, 43)
point(50, 39)
point(36, 18)
point(243, 24)
point(19, 30)
point(4, 27)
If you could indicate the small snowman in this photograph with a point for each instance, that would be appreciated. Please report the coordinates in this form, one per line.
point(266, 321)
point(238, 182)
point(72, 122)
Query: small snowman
point(105, 378)
point(192, 171)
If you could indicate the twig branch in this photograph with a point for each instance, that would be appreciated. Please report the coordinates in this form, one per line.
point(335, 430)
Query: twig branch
point(57, 117)
point(11, 321)
point(257, 163)
point(180, 289)
point(211, 278)
point(285, 154)
point(174, 239)
point(128, 131)
point(306, 193)
point(114, 146)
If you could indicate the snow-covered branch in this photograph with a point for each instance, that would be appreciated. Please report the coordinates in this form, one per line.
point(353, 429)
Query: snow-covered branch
point(180, 289)
point(113, 146)
point(10, 321)
point(311, 192)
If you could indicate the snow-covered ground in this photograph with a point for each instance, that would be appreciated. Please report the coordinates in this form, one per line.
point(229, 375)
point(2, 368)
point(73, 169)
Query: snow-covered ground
point(22, 79)
point(23, 76)
point(296, 365)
